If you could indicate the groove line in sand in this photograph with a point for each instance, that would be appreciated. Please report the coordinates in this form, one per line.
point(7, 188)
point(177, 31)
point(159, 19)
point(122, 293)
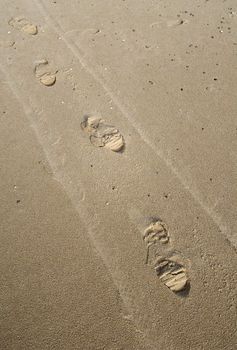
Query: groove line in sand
point(68, 187)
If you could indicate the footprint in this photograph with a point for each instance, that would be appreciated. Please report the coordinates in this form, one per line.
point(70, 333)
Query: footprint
point(169, 267)
point(44, 73)
point(102, 134)
point(172, 273)
point(156, 231)
point(24, 25)
point(155, 235)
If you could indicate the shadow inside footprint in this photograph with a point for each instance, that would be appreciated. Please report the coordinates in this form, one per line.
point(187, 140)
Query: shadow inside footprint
point(102, 134)
point(184, 292)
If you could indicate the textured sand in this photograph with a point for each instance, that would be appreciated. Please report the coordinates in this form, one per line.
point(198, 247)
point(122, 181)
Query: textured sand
point(78, 268)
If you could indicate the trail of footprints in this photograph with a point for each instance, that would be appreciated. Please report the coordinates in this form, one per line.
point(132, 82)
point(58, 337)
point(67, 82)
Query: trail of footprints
point(43, 70)
point(169, 268)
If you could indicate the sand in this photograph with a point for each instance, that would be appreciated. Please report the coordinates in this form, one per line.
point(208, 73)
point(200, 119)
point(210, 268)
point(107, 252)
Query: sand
point(121, 235)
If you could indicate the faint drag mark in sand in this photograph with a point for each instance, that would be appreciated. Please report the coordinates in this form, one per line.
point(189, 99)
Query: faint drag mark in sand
point(7, 43)
point(87, 39)
point(177, 22)
point(84, 33)
point(45, 73)
point(23, 25)
point(186, 183)
point(169, 23)
point(102, 134)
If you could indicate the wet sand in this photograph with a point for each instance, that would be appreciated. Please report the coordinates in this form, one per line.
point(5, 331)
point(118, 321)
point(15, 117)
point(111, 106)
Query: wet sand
point(98, 221)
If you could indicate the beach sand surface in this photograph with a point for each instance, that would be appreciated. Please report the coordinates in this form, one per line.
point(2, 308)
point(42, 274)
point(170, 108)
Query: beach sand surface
point(158, 80)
